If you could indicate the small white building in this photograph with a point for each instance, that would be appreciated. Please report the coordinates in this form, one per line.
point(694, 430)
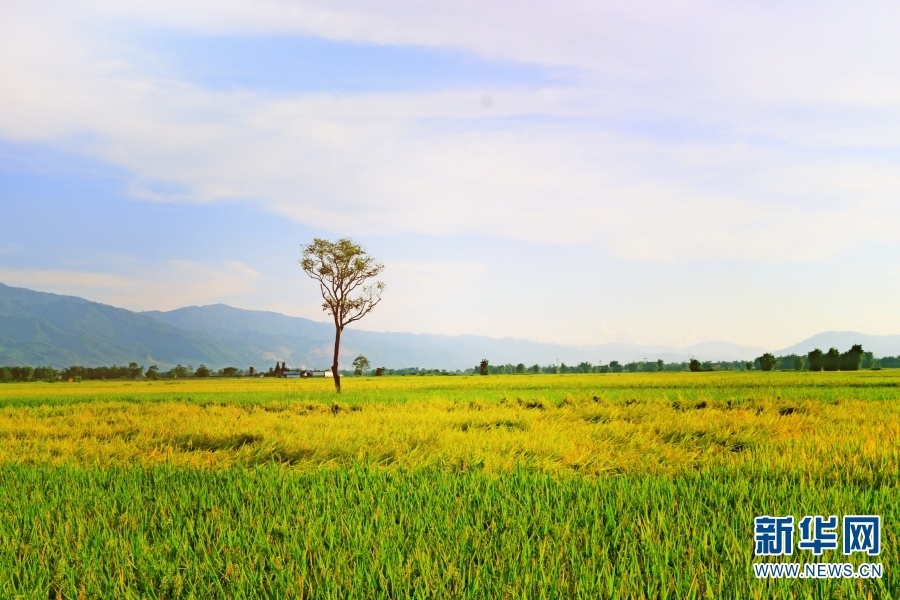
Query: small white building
point(303, 373)
point(318, 373)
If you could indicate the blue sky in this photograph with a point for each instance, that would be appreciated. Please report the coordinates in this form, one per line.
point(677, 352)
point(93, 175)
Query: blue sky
point(599, 172)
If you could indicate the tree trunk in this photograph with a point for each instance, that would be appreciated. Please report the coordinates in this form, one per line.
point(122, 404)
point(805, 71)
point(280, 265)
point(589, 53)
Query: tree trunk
point(334, 366)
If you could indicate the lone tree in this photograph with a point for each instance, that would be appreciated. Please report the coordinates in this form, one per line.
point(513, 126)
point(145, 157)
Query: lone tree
point(851, 359)
point(342, 268)
point(832, 360)
point(767, 362)
point(360, 364)
point(816, 360)
point(483, 367)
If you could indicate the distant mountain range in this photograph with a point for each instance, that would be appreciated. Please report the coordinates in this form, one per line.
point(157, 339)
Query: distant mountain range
point(38, 328)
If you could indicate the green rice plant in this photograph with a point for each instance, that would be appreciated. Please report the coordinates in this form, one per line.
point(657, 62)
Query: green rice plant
point(170, 532)
point(594, 486)
point(581, 429)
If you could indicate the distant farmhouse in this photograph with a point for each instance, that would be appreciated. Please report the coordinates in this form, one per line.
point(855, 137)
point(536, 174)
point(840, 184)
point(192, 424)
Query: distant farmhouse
point(302, 373)
point(282, 370)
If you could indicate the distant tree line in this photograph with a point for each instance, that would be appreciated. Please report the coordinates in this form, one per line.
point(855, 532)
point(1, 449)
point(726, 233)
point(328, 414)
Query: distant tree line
point(13, 374)
point(854, 359)
point(419, 371)
point(834, 360)
point(614, 366)
point(816, 360)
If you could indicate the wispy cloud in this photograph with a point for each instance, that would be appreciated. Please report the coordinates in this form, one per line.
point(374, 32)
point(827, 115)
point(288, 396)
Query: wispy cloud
point(566, 164)
point(150, 286)
point(72, 281)
point(416, 291)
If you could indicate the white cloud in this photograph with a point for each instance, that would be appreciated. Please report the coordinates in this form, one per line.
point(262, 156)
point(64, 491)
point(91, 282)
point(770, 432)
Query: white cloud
point(177, 283)
point(830, 51)
point(65, 282)
point(438, 280)
point(148, 286)
point(781, 103)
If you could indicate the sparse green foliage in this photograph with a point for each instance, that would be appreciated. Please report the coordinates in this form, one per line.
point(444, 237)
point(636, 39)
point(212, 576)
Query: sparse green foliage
point(816, 360)
point(180, 371)
point(851, 359)
point(135, 371)
point(868, 360)
point(360, 365)
point(767, 362)
point(832, 360)
point(46, 374)
point(342, 269)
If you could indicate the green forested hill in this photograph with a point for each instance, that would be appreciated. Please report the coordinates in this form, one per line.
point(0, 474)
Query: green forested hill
point(37, 328)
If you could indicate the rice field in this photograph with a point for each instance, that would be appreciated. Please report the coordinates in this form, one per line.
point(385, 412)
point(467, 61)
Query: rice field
point(596, 486)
